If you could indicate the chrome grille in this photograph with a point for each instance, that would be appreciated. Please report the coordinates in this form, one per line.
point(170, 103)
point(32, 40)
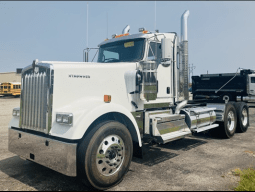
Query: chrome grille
point(36, 100)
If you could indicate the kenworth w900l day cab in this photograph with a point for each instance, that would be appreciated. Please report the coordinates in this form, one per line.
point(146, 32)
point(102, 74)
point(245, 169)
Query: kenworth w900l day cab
point(88, 119)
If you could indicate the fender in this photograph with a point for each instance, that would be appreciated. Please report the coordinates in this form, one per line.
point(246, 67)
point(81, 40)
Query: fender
point(84, 114)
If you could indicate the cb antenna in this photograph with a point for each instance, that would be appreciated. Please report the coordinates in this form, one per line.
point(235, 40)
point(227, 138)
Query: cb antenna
point(86, 50)
point(107, 25)
point(87, 24)
point(155, 16)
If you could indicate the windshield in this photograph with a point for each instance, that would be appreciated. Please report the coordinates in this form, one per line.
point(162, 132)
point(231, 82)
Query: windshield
point(122, 51)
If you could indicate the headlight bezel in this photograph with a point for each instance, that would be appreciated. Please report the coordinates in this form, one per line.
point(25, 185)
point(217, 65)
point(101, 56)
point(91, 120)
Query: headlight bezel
point(64, 118)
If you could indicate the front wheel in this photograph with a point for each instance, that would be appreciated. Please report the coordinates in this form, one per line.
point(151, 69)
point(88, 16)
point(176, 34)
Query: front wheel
point(104, 159)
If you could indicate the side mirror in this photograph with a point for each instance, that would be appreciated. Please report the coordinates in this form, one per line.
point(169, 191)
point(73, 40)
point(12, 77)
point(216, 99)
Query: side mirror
point(166, 47)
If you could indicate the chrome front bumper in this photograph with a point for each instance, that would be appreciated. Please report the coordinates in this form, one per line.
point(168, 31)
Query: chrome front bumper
point(57, 155)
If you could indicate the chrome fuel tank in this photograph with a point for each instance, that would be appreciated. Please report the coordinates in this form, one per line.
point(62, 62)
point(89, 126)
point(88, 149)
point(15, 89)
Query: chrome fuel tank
point(199, 117)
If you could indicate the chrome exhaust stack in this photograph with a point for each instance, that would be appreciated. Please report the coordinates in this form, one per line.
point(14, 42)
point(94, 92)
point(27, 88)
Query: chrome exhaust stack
point(184, 81)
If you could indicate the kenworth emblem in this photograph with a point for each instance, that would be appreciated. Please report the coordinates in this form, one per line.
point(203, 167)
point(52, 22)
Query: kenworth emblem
point(35, 69)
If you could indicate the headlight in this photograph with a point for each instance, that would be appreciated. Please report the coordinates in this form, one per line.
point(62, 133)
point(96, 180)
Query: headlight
point(65, 118)
point(59, 118)
point(15, 112)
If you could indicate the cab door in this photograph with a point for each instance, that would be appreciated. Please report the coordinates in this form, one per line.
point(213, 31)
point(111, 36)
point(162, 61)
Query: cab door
point(163, 71)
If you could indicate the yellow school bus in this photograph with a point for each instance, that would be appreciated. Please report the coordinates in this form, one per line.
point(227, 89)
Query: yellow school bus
point(11, 88)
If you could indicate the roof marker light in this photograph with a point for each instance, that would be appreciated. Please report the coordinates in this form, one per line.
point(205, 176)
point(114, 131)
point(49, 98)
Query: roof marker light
point(141, 29)
point(126, 34)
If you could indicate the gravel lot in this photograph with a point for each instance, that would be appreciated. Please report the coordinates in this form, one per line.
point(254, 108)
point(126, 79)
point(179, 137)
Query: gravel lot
point(194, 163)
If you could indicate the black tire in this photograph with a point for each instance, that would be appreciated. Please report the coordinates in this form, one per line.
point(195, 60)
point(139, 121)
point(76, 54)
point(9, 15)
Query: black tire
point(89, 159)
point(242, 112)
point(226, 128)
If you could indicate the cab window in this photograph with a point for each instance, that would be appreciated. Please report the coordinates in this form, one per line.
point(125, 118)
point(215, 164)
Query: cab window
point(110, 55)
point(155, 52)
point(252, 79)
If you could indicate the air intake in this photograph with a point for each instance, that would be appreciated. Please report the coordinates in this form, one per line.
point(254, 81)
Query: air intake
point(126, 29)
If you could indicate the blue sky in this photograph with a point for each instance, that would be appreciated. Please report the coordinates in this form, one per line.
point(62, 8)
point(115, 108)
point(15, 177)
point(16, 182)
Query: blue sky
point(221, 34)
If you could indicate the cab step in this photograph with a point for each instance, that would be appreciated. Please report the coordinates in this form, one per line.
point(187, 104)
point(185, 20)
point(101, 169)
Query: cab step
point(173, 136)
point(165, 127)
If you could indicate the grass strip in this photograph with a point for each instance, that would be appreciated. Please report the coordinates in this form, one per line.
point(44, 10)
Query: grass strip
point(247, 179)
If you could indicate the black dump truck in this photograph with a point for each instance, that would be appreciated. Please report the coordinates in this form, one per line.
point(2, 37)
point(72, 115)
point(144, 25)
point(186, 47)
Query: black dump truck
point(225, 87)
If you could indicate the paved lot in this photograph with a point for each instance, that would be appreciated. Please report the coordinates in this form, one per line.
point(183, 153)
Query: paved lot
point(194, 163)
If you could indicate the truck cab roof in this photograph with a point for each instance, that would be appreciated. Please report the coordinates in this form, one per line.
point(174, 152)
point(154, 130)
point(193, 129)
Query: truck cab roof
point(136, 36)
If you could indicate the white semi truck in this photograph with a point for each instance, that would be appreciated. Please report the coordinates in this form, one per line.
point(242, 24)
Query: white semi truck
point(88, 119)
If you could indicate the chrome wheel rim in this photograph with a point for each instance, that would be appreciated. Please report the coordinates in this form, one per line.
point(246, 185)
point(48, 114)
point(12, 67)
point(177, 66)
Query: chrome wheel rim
point(110, 155)
point(244, 117)
point(231, 121)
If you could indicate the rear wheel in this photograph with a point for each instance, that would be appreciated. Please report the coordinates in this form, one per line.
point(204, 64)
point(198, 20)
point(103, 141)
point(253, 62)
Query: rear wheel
point(104, 155)
point(242, 112)
point(227, 128)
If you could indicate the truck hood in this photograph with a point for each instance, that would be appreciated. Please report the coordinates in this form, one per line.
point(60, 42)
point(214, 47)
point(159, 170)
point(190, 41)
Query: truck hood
point(75, 81)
